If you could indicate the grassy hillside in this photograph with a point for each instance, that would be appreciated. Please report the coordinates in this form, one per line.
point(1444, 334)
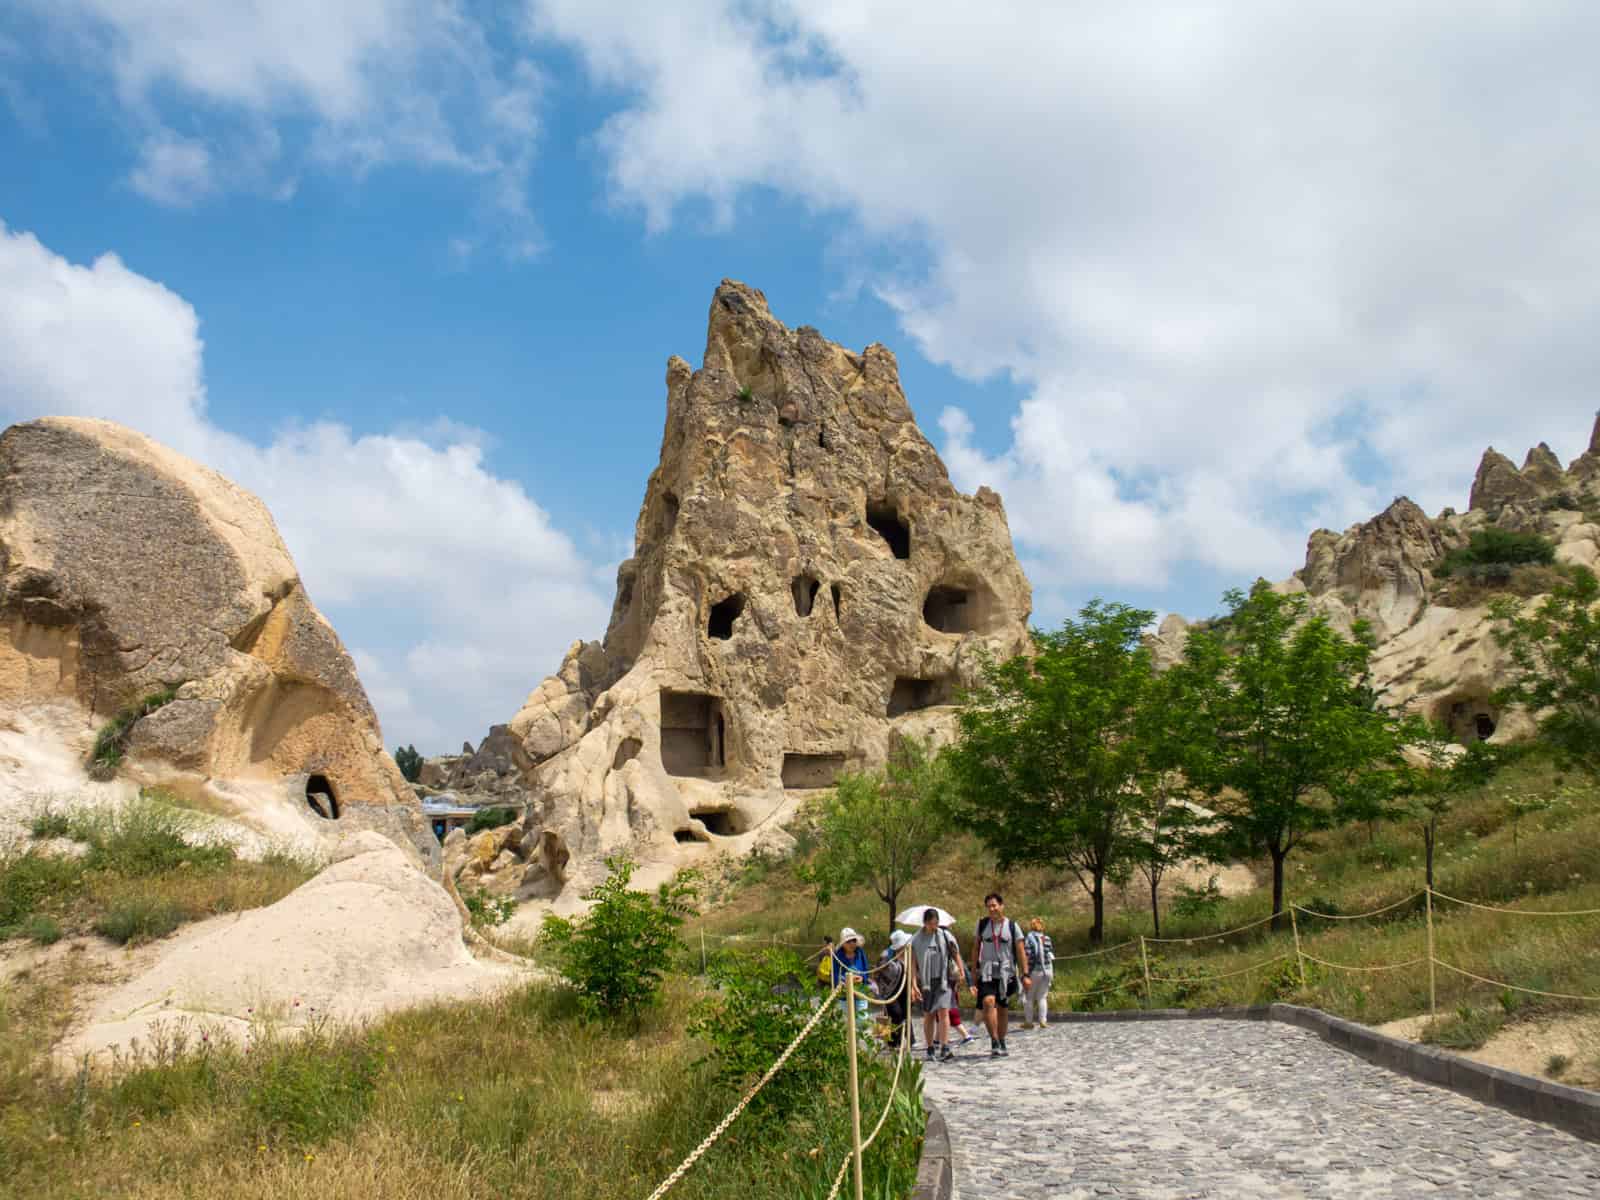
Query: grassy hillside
point(1547, 857)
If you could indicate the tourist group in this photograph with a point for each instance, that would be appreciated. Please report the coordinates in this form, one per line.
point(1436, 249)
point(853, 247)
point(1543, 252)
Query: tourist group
point(1006, 962)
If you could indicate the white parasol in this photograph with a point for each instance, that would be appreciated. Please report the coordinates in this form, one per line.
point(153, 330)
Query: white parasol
point(913, 916)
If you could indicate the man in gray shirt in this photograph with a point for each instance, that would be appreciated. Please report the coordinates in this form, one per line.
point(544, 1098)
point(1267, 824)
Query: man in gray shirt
point(935, 961)
point(1002, 960)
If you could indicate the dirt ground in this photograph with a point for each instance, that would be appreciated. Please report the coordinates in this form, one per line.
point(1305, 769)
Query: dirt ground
point(1528, 1046)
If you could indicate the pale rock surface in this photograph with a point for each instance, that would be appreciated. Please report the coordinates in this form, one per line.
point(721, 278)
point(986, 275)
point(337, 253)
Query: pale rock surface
point(128, 568)
point(806, 585)
point(367, 935)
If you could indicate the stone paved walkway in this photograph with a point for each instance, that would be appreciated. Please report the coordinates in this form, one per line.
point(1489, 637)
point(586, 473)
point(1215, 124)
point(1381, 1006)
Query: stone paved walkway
point(1233, 1110)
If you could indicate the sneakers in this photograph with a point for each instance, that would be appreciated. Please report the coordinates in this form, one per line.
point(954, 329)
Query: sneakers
point(994, 1048)
point(969, 1037)
point(930, 1053)
point(946, 1054)
point(1001, 1050)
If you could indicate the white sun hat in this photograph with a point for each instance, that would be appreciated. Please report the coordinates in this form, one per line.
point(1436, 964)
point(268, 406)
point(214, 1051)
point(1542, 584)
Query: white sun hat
point(848, 935)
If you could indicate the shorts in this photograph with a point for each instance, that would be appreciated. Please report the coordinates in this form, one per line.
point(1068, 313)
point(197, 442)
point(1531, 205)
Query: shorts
point(933, 1001)
point(1000, 989)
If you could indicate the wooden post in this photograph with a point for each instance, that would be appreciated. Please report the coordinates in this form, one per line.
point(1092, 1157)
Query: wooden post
point(1433, 995)
point(1299, 958)
point(1144, 958)
point(855, 1096)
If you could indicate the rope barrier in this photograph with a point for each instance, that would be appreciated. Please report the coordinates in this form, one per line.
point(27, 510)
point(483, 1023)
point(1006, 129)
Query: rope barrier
point(1266, 962)
point(694, 1155)
point(1410, 962)
point(1513, 987)
point(894, 1084)
point(1522, 912)
point(1096, 953)
point(1311, 912)
point(1209, 937)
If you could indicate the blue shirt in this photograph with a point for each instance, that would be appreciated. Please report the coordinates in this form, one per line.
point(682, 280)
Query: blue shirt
point(856, 963)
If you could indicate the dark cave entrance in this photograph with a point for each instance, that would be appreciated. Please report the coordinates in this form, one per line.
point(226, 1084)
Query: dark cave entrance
point(885, 519)
point(723, 614)
point(321, 798)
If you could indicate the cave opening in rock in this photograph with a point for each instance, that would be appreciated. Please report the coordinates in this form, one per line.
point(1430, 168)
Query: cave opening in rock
point(722, 822)
point(838, 602)
point(1469, 718)
point(805, 588)
point(960, 607)
point(321, 798)
point(811, 770)
point(684, 837)
point(723, 614)
point(669, 517)
point(910, 693)
point(627, 750)
point(1483, 725)
point(694, 734)
point(885, 519)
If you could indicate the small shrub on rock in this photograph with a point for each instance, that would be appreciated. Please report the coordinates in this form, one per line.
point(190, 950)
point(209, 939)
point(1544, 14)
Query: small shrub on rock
point(490, 818)
point(487, 910)
point(1491, 554)
point(618, 952)
point(139, 919)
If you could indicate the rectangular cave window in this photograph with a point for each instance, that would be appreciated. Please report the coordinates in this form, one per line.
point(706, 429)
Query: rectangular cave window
point(722, 822)
point(723, 614)
point(948, 609)
point(884, 518)
point(910, 694)
point(811, 770)
point(694, 733)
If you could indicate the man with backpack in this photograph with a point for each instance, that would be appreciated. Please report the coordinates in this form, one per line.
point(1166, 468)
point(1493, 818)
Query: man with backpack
point(1002, 961)
point(936, 975)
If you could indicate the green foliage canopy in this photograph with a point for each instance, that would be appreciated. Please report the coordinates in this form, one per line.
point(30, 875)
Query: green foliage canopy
point(409, 762)
point(617, 954)
point(1048, 761)
point(1555, 657)
point(1288, 722)
point(1492, 552)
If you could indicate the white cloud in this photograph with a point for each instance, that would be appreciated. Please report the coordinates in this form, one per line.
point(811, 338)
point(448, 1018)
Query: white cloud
point(1231, 249)
point(452, 587)
point(357, 85)
point(172, 170)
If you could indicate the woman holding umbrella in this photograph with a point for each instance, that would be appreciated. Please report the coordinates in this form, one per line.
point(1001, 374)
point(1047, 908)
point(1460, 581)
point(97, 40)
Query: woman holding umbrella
point(936, 975)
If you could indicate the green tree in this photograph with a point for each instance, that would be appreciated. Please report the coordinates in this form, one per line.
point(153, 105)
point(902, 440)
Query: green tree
point(1047, 764)
point(1287, 727)
point(881, 827)
point(1436, 772)
point(1555, 664)
point(1166, 829)
point(409, 762)
point(617, 953)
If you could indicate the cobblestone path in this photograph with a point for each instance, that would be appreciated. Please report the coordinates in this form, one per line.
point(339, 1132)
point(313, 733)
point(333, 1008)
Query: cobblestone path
point(1233, 1110)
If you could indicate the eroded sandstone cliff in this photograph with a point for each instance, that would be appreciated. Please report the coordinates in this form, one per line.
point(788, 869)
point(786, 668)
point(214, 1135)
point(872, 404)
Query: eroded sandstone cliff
point(806, 582)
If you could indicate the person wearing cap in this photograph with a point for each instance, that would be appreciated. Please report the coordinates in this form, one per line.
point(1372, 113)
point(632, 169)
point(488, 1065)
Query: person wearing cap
point(891, 974)
point(850, 957)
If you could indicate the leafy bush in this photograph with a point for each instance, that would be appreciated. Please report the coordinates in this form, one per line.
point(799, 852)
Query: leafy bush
point(617, 954)
point(106, 756)
point(139, 919)
point(29, 880)
point(49, 824)
point(1491, 554)
point(753, 1016)
point(308, 1090)
point(490, 818)
point(1201, 902)
point(487, 910)
point(409, 762)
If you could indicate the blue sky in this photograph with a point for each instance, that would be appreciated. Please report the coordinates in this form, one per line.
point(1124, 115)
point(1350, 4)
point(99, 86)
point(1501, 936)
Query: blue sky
point(1182, 281)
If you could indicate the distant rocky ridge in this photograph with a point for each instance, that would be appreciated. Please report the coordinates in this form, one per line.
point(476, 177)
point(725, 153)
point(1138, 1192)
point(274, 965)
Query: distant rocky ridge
point(1436, 652)
point(127, 569)
point(806, 585)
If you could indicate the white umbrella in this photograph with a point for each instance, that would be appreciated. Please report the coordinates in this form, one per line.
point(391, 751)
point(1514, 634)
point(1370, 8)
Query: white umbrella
point(913, 916)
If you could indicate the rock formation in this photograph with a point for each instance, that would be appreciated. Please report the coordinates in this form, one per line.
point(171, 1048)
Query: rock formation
point(1436, 650)
point(128, 569)
point(805, 585)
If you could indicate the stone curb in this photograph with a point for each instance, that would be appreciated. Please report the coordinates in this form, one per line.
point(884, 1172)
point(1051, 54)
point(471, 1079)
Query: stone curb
point(935, 1176)
point(1575, 1110)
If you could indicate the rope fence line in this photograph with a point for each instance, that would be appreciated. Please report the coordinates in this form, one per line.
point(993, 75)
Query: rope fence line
point(1311, 912)
point(1266, 962)
point(1511, 986)
point(1097, 953)
point(1322, 962)
point(823, 1010)
point(1521, 912)
point(1211, 937)
point(894, 1084)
